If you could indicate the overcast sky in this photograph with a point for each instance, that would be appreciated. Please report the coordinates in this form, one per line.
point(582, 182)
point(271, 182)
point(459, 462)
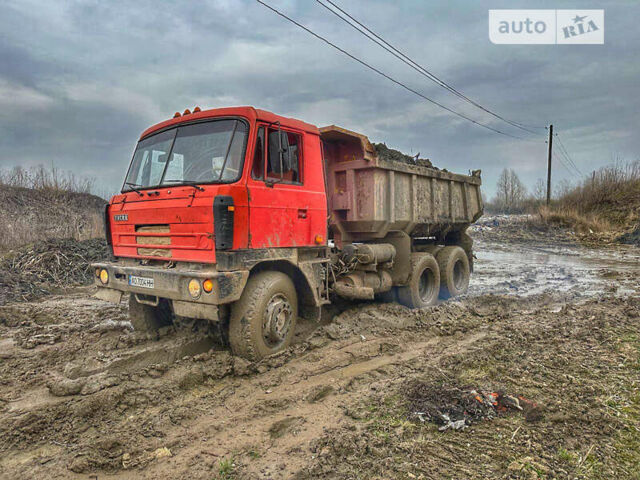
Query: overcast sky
point(80, 80)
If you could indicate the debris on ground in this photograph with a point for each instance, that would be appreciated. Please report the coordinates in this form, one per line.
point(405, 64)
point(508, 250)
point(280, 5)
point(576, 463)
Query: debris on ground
point(44, 267)
point(630, 238)
point(454, 407)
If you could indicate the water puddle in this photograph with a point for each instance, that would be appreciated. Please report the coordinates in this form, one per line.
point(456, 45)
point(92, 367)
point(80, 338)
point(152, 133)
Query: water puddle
point(523, 269)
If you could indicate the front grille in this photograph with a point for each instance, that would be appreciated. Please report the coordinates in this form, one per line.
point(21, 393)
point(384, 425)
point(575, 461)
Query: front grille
point(153, 240)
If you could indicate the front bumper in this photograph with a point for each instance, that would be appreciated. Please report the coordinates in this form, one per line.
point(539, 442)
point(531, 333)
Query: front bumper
point(170, 283)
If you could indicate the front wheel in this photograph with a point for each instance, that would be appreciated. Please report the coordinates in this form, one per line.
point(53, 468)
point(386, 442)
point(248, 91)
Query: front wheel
point(263, 320)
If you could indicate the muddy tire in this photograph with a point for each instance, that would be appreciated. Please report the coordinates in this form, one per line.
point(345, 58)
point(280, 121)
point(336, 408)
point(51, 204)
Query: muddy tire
point(145, 318)
point(454, 271)
point(432, 249)
point(263, 320)
point(424, 283)
point(466, 242)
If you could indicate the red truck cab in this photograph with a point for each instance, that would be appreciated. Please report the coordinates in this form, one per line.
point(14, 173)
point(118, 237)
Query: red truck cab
point(208, 197)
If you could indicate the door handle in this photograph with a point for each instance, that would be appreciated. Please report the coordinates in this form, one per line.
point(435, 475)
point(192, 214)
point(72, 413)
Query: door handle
point(302, 213)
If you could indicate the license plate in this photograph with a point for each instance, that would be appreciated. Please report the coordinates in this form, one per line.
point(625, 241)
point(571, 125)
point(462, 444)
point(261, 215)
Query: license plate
point(143, 282)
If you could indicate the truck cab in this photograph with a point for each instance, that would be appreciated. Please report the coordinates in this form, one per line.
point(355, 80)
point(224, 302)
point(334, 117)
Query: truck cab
point(209, 197)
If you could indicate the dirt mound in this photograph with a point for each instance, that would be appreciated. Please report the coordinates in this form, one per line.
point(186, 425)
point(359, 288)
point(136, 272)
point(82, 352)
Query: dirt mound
point(29, 214)
point(49, 266)
point(391, 155)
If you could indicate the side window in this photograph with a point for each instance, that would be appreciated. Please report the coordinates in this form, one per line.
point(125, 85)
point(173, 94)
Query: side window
point(286, 168)
point(257, 170)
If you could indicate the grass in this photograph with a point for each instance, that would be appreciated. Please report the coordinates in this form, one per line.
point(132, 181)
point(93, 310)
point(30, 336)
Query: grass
point(572, 218)
point(41, 204)
point(607, 200)
point(226, 468)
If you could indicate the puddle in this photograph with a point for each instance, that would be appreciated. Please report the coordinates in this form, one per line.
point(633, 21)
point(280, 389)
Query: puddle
point(524, 269)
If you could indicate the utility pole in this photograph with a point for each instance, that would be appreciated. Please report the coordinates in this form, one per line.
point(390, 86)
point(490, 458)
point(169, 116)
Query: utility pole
point(549, 166)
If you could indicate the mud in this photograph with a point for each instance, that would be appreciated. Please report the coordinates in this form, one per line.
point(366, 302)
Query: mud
point(518, 257)
point(82, 395)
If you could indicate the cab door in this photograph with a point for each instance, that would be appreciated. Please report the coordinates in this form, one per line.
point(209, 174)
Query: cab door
point(280, 203)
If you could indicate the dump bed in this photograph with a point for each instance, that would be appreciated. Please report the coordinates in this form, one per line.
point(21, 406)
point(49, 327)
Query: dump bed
point(369, 197)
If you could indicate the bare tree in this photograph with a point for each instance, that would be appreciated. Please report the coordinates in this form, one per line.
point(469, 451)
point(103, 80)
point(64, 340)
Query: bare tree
point(563, 188)
point(511, 192)
point(540, 191)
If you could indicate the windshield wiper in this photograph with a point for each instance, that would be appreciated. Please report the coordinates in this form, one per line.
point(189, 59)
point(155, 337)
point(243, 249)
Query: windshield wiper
point(133, 186)
point(189, 183)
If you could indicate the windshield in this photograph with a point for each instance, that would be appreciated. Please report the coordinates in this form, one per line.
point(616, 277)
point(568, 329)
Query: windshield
point(208, 152)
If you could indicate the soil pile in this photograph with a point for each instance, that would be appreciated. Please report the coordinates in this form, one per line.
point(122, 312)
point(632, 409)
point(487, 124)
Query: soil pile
point(45, 267)
point(390, 155)
point(30, 214)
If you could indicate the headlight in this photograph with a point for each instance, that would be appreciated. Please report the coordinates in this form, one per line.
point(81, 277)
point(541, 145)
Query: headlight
point(104, 276)
point(194, 288)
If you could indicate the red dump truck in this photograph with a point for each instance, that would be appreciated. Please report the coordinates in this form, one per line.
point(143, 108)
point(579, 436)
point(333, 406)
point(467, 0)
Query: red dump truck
point(248, 220)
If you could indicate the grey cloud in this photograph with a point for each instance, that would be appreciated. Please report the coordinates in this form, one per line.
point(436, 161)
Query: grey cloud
point(80, 80)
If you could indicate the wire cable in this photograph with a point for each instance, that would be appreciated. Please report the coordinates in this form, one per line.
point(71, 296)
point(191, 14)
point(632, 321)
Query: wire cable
point(379, 72)
point(566, 153)
point(563, 163)
point(374, 37)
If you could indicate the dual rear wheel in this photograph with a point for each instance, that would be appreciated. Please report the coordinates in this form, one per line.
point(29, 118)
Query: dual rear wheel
point(446, 275)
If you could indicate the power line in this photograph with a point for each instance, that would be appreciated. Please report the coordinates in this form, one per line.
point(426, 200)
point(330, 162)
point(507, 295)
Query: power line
point(371, 35)
point(562, 162)
point(566, 153)
point(569, 162)
point(379, 72)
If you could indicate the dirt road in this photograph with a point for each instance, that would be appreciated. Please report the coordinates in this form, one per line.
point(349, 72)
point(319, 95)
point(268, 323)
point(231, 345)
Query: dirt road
point(84, 396)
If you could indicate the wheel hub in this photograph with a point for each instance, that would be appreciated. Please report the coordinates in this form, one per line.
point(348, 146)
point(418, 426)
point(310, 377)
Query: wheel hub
point(277, 320)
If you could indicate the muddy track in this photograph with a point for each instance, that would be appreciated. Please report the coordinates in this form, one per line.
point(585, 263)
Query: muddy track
point(84, 395)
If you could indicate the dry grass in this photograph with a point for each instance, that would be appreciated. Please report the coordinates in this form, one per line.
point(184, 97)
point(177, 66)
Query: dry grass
point(608, 200)
point(49, 179)
point(40, 204)
point(612, 193)
point(572, 218)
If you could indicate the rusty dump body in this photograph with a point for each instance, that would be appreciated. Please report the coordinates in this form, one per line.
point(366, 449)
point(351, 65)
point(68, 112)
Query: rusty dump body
point(369, 197)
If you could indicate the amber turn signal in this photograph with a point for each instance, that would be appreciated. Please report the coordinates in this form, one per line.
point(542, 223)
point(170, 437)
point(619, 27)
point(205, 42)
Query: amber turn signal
point(319, 239)
point(207, 286)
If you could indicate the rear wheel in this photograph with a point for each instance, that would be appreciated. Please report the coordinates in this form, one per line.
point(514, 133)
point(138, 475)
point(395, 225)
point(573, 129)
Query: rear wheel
point(263, 320)
point(146, 318)
point(454, 271)
point(424, 283)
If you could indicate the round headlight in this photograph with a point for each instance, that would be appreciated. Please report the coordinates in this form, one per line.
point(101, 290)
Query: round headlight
point(194, 288)
point(104, 276)
point(207, 286)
